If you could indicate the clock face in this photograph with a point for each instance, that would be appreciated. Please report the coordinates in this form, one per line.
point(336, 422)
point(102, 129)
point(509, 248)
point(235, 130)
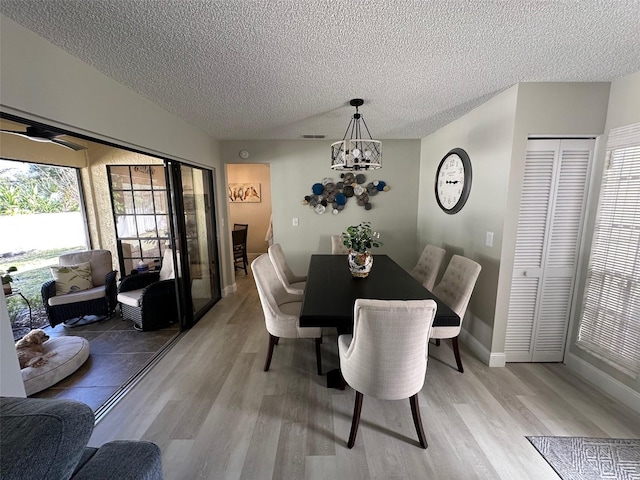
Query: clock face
point(453, 181)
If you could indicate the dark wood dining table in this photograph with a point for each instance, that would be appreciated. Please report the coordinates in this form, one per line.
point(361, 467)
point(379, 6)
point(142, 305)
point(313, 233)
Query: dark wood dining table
point(331, 292)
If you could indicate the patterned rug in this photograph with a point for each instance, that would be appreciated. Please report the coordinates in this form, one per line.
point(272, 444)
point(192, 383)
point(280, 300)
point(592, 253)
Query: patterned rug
point(582, 458)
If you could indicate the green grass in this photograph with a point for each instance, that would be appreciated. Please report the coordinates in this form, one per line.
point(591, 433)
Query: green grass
point(33, 271)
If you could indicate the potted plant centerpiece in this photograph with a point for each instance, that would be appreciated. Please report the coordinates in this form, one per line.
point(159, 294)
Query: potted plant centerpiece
point(359, 239)
point(7, 279)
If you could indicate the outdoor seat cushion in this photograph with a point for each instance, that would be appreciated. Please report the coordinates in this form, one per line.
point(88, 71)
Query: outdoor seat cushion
point(82, 296)
point(133, 298)
point(70, 354)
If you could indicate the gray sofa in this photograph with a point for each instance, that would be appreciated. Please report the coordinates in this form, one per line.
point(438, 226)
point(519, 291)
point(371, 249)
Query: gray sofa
point(47, 438)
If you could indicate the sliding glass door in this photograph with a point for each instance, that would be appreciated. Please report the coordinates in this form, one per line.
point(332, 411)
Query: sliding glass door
point(158, 208)
point(194, 221)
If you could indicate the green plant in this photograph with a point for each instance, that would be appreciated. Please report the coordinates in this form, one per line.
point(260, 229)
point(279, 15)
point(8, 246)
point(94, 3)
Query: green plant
point(361, 238)
point(5, 275)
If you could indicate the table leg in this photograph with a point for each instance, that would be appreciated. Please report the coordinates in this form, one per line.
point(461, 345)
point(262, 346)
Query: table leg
point(335, 379)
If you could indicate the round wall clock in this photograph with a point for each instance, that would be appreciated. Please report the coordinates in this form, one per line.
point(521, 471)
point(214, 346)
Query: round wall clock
point(453, 181)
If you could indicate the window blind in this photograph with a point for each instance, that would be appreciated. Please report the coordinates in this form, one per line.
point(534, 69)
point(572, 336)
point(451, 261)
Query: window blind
point(610, 323)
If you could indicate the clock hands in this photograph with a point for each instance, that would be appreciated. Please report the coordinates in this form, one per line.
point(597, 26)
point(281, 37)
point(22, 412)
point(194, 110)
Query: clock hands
point(452, 181)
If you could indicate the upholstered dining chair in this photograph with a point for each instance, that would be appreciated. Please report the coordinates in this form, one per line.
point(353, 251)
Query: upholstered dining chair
point(281, 310)
point(337, 247)
point(386, 357)
point(84, 284)
point(292, 283)
point(428, 266)
point(455, 289)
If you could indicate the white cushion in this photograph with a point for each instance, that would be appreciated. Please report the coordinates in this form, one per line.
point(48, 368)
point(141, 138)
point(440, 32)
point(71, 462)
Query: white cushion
point(298, 288)
point(72, 278)
point(133, 298)
point(83, 296)
point(167, 271)
point(70, 354)
point(100, 263)
point(292, 308)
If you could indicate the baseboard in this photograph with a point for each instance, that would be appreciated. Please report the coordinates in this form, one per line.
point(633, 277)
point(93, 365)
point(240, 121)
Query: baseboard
point(609, 385)
point(497, 360)
point(229, 289)
point(491, 359)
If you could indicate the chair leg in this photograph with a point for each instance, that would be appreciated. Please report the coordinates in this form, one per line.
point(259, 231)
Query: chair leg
point(417, 421)
point(273, 341)
point(319, 355)
point(357, 408)
point(456, 352)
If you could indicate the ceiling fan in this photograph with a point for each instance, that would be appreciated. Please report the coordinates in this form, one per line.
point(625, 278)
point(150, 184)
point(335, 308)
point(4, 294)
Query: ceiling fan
point(38, 134)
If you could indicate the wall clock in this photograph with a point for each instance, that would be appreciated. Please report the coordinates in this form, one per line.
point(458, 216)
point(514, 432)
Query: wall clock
point(453, 181)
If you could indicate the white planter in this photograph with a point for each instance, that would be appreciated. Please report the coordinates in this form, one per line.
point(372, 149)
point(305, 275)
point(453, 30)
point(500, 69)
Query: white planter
point(360, 263)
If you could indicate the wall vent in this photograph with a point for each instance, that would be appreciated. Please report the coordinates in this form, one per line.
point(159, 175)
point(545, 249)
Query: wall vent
point(313, 136)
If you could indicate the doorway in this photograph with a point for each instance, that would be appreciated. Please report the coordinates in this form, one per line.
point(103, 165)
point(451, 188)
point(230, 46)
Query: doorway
point(256, 213)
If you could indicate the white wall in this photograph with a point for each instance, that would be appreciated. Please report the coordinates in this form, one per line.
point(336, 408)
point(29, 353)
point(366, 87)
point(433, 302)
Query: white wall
point(495, 136)
point(543, 109)
point(297, 164)
point(486, 134)
point(41, 82)
point(623, 109)
point(11, 384)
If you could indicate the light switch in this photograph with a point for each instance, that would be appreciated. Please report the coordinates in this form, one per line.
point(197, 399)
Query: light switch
point(294, 222)
point(489, 239)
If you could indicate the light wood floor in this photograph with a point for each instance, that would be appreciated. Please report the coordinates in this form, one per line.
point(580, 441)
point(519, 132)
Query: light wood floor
point(215, 413)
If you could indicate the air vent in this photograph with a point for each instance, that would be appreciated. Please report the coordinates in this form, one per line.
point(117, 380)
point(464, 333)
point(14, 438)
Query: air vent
point(313, 136)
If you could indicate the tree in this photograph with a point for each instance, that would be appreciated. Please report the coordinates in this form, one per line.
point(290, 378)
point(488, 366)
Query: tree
point(39, 189)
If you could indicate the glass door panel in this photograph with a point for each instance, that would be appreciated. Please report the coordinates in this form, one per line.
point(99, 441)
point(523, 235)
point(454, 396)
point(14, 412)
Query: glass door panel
point(193, 221)
point(200, 238)
point(139, 199)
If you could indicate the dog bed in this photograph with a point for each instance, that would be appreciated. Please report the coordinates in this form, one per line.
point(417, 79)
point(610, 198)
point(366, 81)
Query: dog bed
point(71, 353)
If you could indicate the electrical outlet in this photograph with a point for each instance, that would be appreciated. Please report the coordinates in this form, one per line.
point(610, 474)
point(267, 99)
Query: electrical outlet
point(489, 239)
point(294, 221)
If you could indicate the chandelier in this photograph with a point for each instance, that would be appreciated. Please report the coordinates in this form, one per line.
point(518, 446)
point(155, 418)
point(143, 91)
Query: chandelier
point(356, 153)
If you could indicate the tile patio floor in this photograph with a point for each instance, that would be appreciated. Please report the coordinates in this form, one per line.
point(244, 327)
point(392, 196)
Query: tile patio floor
point(117, 353)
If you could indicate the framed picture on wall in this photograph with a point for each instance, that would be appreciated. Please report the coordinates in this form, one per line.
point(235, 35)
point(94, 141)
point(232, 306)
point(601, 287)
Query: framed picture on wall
point(244, 193)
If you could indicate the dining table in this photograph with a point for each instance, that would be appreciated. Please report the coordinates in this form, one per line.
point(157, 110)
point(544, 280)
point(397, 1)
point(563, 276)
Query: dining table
point(331, 291)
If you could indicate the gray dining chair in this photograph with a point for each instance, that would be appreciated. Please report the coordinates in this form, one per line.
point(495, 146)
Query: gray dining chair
point(428, 266)
point(292, 283)
point(386, 357)
point(455, 291)
point(337, 247)
point(281, 310)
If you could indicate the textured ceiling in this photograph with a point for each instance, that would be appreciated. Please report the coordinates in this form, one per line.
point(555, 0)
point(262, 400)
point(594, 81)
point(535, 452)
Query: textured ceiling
point(279, 69)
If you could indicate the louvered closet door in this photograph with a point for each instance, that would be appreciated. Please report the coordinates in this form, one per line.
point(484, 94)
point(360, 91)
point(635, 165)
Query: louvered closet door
point(547, 246)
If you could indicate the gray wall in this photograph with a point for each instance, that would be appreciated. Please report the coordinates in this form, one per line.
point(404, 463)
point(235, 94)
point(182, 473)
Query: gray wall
point(297, 164)
point(495, 136)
